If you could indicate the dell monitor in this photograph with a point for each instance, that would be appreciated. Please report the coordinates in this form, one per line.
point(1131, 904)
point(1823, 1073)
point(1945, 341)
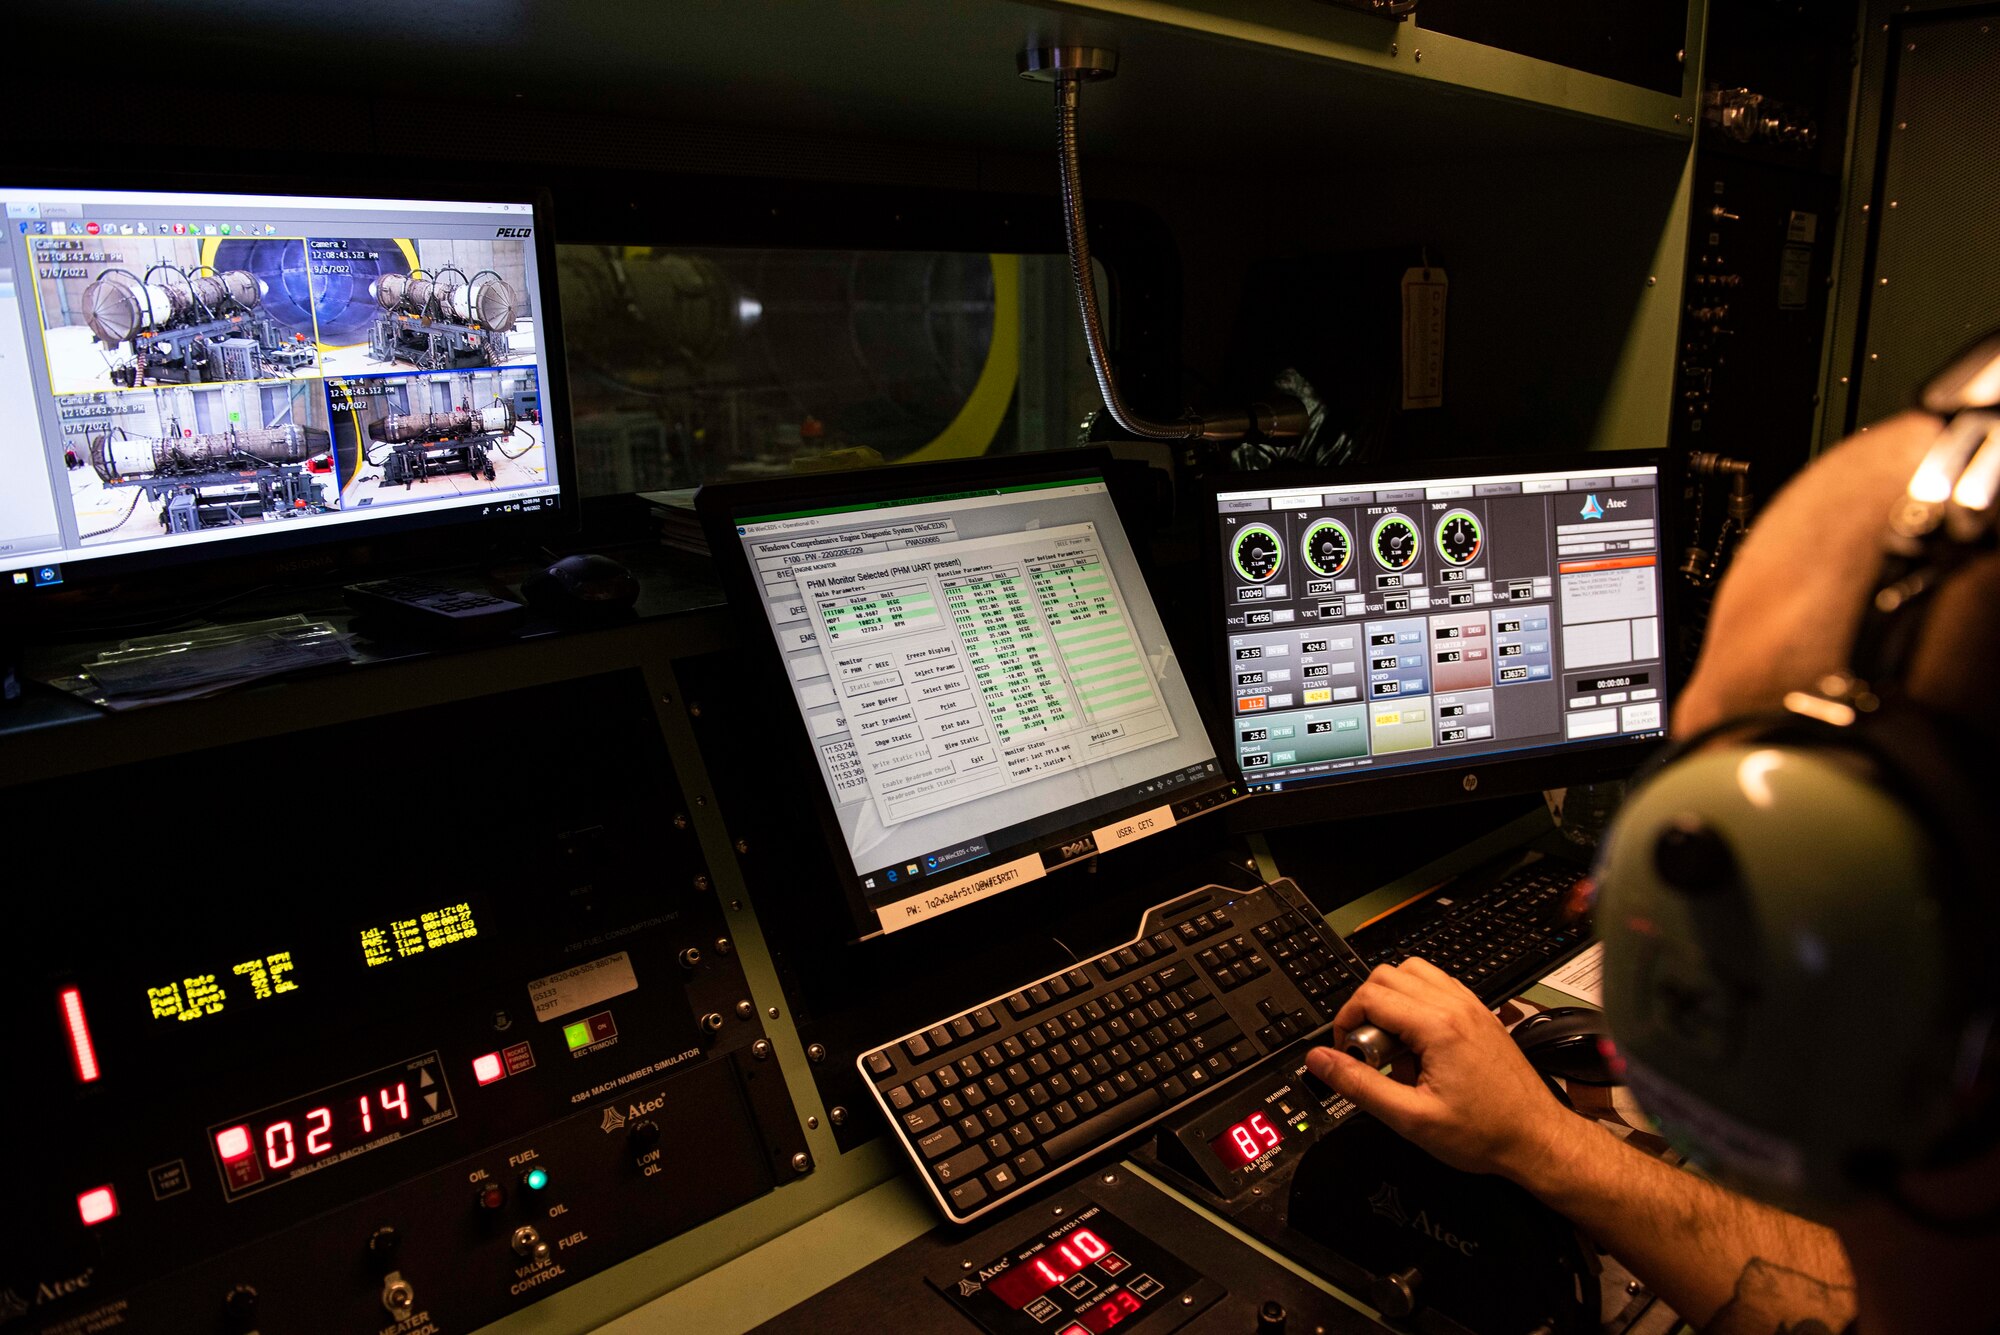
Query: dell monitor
point(973, 672)
point(224, 375)
point(1405, 637)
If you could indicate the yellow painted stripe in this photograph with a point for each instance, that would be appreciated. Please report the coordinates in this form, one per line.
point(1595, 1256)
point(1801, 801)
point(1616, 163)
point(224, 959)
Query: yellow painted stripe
point(971, 432)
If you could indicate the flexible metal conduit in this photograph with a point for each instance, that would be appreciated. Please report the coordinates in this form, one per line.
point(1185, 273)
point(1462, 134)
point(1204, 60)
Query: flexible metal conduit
point(1189, 428)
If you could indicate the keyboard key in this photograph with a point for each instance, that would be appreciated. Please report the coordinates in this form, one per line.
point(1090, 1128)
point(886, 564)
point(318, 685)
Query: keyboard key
point(1078, 979)
point(917, 1048)
point(879, 1065)
point(1029, 1162)
point(1017, 1005)
point(966, 1196)
point(923, 1087)
point(1058, 986)
point(1092, 1132)
point(940, 1142)
point(939, 1036)
point(920, 1120)
point(962, 1029)
point(1021, 1135)
point(900, 1098)
point(1038, 997)
point(984, 1019)
point(966, 1161)
point(1043, 1124)
point(950, 1106)
point(998, 1146)
point(1001, 1178)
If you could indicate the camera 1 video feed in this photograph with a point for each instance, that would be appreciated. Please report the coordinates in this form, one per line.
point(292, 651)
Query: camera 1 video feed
point(427, 305)
point(124, 312)
point(192, 458)
point(421, 437)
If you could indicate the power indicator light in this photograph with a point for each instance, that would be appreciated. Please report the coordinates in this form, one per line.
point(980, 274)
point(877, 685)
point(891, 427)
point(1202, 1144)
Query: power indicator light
point(97, 1205)
point(577, 1035)
point(535, 1179)
point(488, 1068)
point(82, 1052)
point(233, 1143)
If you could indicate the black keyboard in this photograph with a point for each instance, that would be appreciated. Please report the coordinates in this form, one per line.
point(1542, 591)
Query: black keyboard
point(988, 1102)
point(1495, 936)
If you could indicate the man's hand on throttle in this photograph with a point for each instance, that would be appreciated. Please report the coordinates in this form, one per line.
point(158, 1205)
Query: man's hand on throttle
point(1477, 1104)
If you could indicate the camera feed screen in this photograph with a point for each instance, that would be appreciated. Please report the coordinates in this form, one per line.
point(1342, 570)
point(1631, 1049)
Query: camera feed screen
point(178, 368)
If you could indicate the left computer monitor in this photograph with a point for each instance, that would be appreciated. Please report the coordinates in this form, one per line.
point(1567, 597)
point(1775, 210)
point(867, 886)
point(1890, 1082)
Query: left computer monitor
point(969, 664)
point(218, 375)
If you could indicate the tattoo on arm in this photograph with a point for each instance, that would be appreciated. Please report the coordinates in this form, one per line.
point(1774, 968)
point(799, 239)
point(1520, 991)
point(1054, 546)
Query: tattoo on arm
point(1771, 1299)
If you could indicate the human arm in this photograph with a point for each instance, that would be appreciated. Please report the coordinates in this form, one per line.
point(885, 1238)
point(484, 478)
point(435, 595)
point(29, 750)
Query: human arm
point(1727, 1264)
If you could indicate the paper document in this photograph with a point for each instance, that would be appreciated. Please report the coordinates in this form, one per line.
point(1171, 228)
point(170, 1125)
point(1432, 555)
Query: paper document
point(1582, 977)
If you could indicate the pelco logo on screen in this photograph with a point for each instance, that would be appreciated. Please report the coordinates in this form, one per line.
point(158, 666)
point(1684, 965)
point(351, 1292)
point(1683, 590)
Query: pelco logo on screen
point(513, 231)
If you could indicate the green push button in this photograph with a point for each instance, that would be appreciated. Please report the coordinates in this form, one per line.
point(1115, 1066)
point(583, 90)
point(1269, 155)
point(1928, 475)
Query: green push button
point(577, 1035)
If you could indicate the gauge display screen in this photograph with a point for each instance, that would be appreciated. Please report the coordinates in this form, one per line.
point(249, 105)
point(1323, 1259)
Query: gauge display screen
point(1328, 546)
point(1395, 542)
point(1259, 553)
point(1459, 538)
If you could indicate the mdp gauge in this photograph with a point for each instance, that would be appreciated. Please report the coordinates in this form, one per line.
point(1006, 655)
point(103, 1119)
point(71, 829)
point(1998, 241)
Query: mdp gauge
point(1395, 542)
point(1459, 537)
point(1258, 552)
point(1328, 547)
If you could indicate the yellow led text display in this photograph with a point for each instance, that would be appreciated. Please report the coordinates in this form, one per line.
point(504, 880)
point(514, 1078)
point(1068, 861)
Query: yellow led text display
point(198, 995)
point(413, 936)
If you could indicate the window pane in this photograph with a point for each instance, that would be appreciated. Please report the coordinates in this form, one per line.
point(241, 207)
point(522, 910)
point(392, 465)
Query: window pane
point(690, 365)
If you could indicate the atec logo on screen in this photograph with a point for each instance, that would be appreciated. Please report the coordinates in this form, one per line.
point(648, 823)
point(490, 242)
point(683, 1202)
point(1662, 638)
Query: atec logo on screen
point(1592, 510)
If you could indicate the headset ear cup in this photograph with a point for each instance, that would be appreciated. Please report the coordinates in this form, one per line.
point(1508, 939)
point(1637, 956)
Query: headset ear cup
point(1745, 968)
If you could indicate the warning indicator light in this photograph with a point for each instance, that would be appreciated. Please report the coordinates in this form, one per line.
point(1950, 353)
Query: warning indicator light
point(488, 1068)
point(97, 1205)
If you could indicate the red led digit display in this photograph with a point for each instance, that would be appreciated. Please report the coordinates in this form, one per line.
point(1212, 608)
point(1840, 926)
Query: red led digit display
point(331, 1125)
point(1246, 1142)
point(1103, 1316)
point(1019, 1285)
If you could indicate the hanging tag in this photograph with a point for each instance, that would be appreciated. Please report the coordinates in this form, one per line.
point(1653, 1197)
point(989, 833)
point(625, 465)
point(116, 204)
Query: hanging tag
point(1423, 336)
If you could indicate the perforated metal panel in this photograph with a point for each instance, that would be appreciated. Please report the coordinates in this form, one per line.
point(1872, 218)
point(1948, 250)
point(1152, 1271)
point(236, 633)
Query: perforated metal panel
point(1934, 284)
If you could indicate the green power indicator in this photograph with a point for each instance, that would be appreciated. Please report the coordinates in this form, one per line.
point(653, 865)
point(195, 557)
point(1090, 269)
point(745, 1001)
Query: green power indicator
point(577, 1035)
point(536, 1179)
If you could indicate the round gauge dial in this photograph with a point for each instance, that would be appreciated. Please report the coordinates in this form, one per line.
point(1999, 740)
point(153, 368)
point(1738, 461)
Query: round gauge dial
point(1460, 538)
point(1258, 552)
point(1328, 546)
point(1395, 542)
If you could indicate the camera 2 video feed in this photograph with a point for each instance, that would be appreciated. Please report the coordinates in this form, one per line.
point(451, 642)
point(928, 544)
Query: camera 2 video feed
point(124, 311)
point(426, 305)
point(192, 458)
point(404, 438)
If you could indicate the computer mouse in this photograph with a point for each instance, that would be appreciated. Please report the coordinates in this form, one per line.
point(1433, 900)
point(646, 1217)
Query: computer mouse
point(1567, 1042)
point(582, 584)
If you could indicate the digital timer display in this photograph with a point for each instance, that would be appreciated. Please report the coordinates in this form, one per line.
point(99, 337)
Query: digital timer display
point(1088, 1274)
point(1024, 1283)
point(1246, 1142)
point(331, 1125)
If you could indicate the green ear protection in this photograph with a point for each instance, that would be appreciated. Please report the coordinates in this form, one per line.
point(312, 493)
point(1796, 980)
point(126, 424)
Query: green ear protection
point(1802, 937)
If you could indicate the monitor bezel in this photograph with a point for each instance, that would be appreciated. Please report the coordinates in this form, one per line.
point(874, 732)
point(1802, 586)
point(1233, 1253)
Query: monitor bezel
point(103, 588)
point(1440, 784)
point(720, 505)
